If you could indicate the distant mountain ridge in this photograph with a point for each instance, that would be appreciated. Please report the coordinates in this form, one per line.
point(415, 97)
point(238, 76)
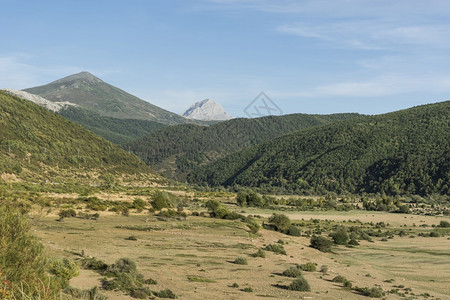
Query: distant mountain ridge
point(90, 92)
point(175, 151)
point(403, 152)
point(207, 110)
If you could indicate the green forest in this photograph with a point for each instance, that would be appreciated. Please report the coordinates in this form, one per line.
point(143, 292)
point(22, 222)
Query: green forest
point(177, 150)
point(404, 152)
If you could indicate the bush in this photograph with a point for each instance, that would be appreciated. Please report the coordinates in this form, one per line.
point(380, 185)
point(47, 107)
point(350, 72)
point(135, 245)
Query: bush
point(294, 231)
point(340, 236)
point(22, 261)
point(308, 267)
point(353, 242)
point(280, 222)
point(65, 269)
point(292, 272)
point(339, 279)
point(324, 269)
point(320, 243)
point(247, 290)
point(165, 294)
point(141, 293)
point(300, 284)
point(241, 261)
point(250, 198)
point(162, 199)
point(259, 253)
point(374, 292)
point(94, 264)
point(150, 281)
point(276, 248)
point(444, 224)
point(67, 213)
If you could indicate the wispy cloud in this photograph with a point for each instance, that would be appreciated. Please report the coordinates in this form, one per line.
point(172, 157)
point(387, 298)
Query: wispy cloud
point(373, 34)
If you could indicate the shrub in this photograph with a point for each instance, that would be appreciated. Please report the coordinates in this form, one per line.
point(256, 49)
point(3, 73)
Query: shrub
point(259, 253)
point(131, 238)
point(294, 231)
point(353, 242)
point(308, 267)
point(22, 260)
point(444, 224)
point(67, 213)
point(241, 261)
point(347, 284)
point(150, 281)
point(252, 224)
point(300, 284)
point(324, 269)
point(165, 294)
point(234, 285)
point(65, 269)
point(340, 236)
point(375, 292)
point(250, 198)
point(280, 221)
point(292, 272)
point(276, 248)
point(247, 290)
point(94, 264)
point(162, 199)
point(339, 279)
point(141, 293)
point(320, 243)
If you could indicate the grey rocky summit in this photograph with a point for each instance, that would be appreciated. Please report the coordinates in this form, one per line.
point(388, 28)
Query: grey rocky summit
point(207, 110)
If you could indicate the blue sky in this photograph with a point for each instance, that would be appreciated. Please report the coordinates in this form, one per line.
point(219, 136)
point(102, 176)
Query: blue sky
point(310, 56)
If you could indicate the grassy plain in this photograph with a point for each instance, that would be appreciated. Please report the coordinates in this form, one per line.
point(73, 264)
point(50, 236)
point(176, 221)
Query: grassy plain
point(194, 257)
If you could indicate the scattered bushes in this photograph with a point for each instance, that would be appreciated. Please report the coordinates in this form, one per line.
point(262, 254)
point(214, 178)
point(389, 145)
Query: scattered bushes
point(165, 294)
point(321, 243)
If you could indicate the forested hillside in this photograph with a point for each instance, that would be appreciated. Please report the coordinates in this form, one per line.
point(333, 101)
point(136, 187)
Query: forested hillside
point(118, 131)
point(177, 150)
point(38, 144)
point(397, 153)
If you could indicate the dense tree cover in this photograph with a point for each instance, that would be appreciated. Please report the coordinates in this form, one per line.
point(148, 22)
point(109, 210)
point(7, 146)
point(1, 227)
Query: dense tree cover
point(33, 139)
point(177, 150)
point(118, 131)
point(92, 93)
point(404, 152)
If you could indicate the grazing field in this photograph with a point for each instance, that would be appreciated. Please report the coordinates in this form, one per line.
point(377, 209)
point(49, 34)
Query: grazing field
point(200, 257)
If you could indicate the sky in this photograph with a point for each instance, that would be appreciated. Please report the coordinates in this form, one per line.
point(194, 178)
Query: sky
point(307, 56)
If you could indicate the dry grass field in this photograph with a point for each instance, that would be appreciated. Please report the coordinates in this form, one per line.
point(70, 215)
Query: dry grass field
point(194, 258)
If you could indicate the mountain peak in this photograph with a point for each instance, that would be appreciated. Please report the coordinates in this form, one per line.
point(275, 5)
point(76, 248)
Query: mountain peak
point(207, 110)
point(82, 76)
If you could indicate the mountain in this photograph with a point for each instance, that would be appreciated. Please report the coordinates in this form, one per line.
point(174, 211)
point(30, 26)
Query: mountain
point(52, 106)
point(118, 131)
point(207, 110)
point(38, 145)
point(397, 153)
point(177, 150)
point(90, 92)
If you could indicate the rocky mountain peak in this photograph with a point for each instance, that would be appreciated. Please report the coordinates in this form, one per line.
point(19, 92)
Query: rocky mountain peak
point(207, 110)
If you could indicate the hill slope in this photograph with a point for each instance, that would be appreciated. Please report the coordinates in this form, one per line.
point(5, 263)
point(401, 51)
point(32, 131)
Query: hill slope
point(177, 150)
point(401, 152)
point(88, 91)
point(40, 145)
point(118, 131)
